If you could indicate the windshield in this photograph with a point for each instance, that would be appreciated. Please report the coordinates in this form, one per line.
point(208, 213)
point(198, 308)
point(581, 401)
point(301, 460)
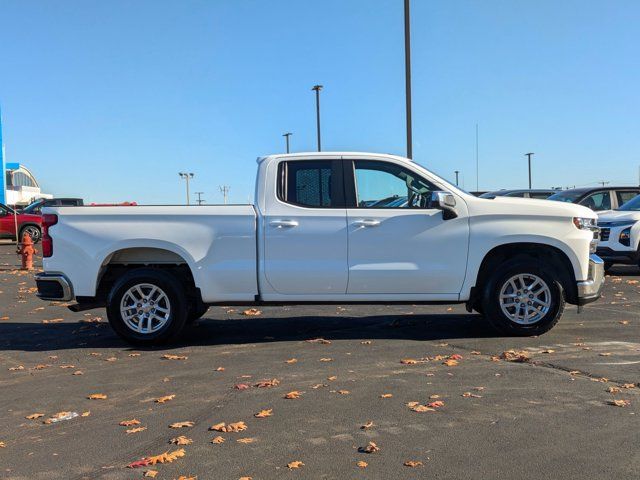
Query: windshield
point(35, 207)
point(632, 205)
point(567, 196)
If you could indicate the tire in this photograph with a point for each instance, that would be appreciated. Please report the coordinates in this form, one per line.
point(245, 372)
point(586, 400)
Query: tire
point(196, 310)
point(547, 302)
point(161, 326)
point(33, 230)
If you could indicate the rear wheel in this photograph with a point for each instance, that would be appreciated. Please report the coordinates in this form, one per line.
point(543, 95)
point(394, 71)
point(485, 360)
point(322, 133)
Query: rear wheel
point(522, 299)
point(147, 307)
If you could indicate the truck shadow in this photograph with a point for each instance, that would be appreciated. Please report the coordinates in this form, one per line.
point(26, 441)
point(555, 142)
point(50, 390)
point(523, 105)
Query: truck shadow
point(37, 337)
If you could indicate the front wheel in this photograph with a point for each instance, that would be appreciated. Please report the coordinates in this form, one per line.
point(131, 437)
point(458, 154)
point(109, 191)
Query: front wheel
point(522, 299)
point(147, 306)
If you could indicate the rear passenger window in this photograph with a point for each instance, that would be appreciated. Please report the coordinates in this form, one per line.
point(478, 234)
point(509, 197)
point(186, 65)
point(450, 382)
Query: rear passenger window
point(598, 201)
point(624, 197)
point(316, 184)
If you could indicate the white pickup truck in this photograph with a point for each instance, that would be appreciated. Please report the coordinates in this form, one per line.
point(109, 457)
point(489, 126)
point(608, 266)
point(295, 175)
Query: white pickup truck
point(620, 235)
point(326, 227)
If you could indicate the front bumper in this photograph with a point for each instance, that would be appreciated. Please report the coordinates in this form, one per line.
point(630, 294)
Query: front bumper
point(626, 257)
point(54, 286)
point(590, 290)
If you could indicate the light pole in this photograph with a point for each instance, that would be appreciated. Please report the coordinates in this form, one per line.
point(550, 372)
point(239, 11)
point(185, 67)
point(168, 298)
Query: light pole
point(528, 155)
point(200, 200)
point(224, 189)
point(457, 172)
point(187, 177)
point(407, 74)
point(286, 136)
point(317, 89)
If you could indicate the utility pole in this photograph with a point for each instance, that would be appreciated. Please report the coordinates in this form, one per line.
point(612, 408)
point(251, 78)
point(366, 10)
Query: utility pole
point(477, 162)
point(286, 136)
point(529, 155)
point(200, 200)
point(603, 183)
point(224, 189)
point(457, 172)
point(407, 74)
point(317, 89)
point(187, 177)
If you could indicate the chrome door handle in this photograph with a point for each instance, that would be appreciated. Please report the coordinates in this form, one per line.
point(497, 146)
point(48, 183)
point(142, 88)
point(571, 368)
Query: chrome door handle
point(367, 222)
point(283, 223)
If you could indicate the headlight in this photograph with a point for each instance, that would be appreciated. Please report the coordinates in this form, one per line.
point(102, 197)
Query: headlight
point(585, 223)
point(625, 237)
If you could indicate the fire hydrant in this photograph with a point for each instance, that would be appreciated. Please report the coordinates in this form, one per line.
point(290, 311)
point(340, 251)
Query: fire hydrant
point(26, 251)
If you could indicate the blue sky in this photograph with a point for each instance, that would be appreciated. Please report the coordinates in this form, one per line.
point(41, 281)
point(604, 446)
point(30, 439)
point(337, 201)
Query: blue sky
point(109, 100)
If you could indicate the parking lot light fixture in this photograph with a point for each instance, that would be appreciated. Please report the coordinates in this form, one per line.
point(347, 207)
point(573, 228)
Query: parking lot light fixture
point(186, 176)
point(286, 136)
point(317, 88)
point(529, 155)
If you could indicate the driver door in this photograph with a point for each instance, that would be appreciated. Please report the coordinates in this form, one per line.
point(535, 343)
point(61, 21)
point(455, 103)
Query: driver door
point(7, 223)
point(396, 244)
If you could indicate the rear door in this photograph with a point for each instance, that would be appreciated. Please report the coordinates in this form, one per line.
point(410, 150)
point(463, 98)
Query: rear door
point(396, 244)
point(623, 196)
point(305, 230)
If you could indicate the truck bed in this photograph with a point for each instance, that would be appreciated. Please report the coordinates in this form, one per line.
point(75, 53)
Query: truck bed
point(217, 242)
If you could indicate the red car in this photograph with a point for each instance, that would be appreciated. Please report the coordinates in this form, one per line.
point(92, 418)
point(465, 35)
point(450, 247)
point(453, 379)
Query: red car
point(27, 223)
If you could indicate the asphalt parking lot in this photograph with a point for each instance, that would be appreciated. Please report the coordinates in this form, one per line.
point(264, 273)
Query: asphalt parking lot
point(566, 408)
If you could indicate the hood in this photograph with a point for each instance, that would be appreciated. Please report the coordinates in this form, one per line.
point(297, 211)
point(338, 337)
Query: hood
point(618, 216)
point(529, 206)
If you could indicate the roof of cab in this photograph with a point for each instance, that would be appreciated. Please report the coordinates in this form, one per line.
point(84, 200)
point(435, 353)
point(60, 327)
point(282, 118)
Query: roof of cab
point(323, 154)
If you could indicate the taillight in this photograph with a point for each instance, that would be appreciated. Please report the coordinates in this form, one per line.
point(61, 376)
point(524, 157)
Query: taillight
point(48, 219)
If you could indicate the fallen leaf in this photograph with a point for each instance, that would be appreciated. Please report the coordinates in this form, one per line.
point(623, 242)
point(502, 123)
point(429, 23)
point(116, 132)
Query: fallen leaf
point(619, 403)
point(78, 372)
point(332, 378)
point(292, 360)
point(628, 385)
point(85, 414)
point(295, 464)
point(34, 416)
point(182, 424)
point(386, 395)
point(450, 362)
point(232, 427)
point(241, 386)
point(3, 445)
point(471, 395)
point(168, 356)
point(412, 463)
point(408, 361)
point(166, 457)
point(54, 320)
point(136, 430)
point(246, 440)
point(165, 399)
point(220, 369)
point(268, 383)
point(97, 396)
point(326, 359)
point(367, 425)
point(515, 356)
point(264, 413)
point(252, 312)
point(129, 423)
point(613, 390)
point(344, 392)
point(362, 464)
point(371, 448)
point(293, 395)
point(15, 369)
point(181, 440)
point(319, 340)
point(218, 439)
point(605, 354)
point(151, 473)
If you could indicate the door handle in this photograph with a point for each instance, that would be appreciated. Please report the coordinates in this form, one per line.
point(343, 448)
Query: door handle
point(283, 223)
point(367, 222)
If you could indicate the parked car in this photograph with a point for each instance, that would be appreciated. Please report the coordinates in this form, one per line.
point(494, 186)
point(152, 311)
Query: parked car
point(597, 198)
point(35, 208)
point(313, 237)
point(620, 234)
point(26, 223)
point(540, 194)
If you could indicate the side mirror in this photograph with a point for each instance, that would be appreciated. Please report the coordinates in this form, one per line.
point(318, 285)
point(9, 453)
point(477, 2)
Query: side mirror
point(444, 201)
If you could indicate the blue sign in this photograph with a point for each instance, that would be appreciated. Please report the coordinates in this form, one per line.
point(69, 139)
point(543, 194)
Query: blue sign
point(3, 174)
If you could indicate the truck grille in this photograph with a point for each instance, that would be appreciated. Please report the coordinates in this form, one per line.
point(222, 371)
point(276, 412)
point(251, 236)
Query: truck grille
point(604, 234)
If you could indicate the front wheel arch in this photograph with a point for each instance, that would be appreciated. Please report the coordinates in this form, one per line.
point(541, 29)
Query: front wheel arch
point(546, 255)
